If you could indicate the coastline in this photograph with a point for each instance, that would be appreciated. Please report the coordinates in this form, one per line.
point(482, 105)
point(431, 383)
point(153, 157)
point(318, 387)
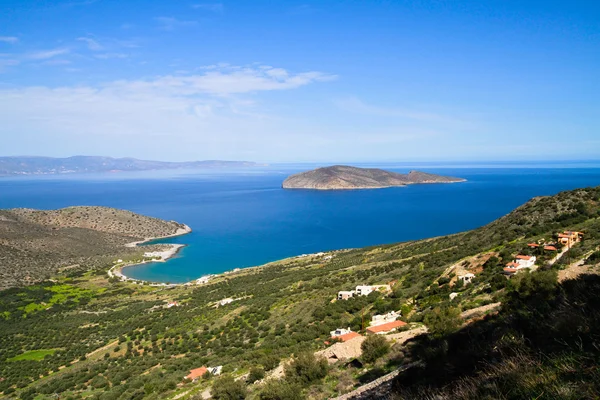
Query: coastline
point(371, 187)
point(116, 271)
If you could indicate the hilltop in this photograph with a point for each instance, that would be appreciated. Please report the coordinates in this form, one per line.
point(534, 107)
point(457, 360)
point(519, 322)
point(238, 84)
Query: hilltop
point(35, 244)
point(81, 164)
point(532, 335)
point(339, 177)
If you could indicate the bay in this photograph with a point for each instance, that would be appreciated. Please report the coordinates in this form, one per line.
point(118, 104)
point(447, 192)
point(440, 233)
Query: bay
point(243, 218)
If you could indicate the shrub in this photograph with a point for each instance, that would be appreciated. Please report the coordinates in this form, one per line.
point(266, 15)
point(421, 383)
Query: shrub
point(256, 374)
point(227, 388)
point(280, 390)
point(306, 368)
point(374, 347)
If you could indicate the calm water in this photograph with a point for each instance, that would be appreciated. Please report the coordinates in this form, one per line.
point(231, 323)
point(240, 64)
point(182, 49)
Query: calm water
point(242, 219)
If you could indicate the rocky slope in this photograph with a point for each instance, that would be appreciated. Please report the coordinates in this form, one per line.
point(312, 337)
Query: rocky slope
point(340, 177)
point(35, 244)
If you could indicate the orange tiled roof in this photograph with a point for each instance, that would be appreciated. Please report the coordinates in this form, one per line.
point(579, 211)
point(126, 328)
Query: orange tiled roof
point(550, 248)
point(533, 245)
point(513, 264)
point(197, 373)
point(347, 336)
point(386, 327)
point(510, 270)
point(522, 257)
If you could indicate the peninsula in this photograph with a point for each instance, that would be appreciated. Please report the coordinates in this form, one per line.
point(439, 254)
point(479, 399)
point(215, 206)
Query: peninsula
point(82, 164)
point(37, 244)
point(342, 177)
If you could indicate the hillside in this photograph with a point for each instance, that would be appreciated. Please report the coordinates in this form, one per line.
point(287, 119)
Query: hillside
point(86, 336)
point(81, 164)
point(35, 244)
point(339, 177)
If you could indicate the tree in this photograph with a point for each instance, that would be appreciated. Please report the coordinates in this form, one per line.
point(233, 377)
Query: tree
point(280, 390)
point(306, 368)
point(227, 388)
point(443, 320)
point(256, 374)
point(374, 347)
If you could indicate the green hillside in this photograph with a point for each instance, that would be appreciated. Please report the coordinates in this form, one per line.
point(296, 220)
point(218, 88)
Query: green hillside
point(117, 340)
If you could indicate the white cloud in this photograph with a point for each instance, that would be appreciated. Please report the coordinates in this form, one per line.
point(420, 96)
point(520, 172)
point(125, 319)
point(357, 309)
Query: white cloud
point(92, 44)
point(212, 114)
point(46, 54)
point(9, 39)
point(170, 23)
point(214, 7)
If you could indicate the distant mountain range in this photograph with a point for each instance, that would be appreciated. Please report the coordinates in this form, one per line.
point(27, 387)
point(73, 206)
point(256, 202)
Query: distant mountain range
point(340, 177)
point(81, 164)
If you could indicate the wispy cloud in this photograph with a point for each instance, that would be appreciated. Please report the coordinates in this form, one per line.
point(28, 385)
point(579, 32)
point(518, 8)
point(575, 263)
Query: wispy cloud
point(9, 39)
point(213, 110)
point(79, 3)
point(92, 44)
point(213, 7)
point(106, 56)
point(46, 54)
point(170, 23)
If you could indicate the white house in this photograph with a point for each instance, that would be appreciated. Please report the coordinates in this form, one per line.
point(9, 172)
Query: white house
point(525, 261)
point(340, 332)
point(215, 370)
point(466, 278)
point(384, 318)
point(225, 301)
point(345, 294)
point(365, 290)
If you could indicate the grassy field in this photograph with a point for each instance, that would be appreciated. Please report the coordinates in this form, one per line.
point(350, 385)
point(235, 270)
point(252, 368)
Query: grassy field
point(32, 355)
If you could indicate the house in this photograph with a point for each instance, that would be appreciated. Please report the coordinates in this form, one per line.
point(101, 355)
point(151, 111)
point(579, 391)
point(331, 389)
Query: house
point(215, 370)
point(340, 332)
point(533, 245)
point(550, 248)
point(453, 295)
point(196, 374)
point(365, 290)
point(568, 238)
point(345, 295)
point(173, 304)
point(225, 301)
point(345, 350)
point(386, 328)
point(466, 278)
point(521, 262)
point(525, 261)
point(384, 318)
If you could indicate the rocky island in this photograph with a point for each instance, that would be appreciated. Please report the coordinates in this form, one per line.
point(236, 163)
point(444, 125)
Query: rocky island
point(342, 177)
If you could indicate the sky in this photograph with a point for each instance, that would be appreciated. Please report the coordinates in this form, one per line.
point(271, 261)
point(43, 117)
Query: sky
point(287, 81)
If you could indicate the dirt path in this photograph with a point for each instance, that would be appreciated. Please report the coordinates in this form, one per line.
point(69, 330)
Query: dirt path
point(577, 268)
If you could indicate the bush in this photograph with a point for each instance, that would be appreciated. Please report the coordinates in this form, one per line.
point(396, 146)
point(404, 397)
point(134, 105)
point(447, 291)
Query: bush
point(374, 347)
point(256, 374)
point(227, 388)
point(442, 320)
point(306, 368)
point(280, 390)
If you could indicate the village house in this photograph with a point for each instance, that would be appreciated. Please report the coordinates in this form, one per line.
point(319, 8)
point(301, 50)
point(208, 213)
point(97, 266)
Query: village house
point(173, 304)
point(386, 328)
point(550, 248)
point(568, 238)
point(466, 278)
point(198, 373)
point(225, 301)
point(345, 294)
point(521, 262)
point(384, 318)
point(344, 334)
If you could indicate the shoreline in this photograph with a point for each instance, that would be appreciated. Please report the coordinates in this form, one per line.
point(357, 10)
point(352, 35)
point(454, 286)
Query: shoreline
point(116, 271)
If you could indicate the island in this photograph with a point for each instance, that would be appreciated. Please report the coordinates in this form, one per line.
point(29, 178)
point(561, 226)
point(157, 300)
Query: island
point(343, 177)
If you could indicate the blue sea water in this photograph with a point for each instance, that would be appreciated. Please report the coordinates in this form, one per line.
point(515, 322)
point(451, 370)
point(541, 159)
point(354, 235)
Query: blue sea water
point(244, 218)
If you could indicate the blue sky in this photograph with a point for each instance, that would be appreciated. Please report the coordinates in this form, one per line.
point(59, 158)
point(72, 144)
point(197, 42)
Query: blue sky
point(326, 81)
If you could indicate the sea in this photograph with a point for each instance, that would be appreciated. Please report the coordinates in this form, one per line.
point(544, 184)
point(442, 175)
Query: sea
point(242, 218)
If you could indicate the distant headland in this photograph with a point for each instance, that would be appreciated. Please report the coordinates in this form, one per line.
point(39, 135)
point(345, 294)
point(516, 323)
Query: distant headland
point(28, 165)
point(343, 177)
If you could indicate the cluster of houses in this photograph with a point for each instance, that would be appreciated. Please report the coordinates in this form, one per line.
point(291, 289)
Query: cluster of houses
point(362, 290)
point(520, 262)
point(198, 373)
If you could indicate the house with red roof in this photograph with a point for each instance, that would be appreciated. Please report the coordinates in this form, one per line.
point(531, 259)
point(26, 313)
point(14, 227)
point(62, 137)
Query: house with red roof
point(386, 328)
point(196, 373)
